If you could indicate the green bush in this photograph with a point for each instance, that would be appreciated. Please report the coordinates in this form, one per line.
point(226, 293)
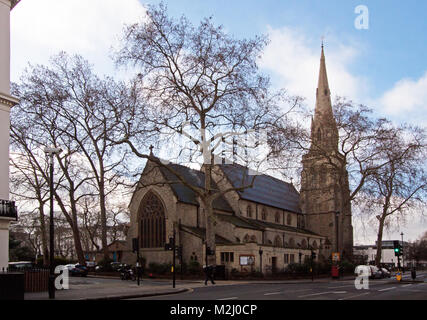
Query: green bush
point(194, 267)
point(347, 266)
point(159, 268)
point(105, 265)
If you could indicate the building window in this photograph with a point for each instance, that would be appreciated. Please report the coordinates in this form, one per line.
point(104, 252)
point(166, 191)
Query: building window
point(277, 241)
point(264, 214)
point(277, 217)
point(152, 224)
point(286, 258)
point(314, 245)
point(304, 243)
point(291, 258)
point(246, 238)
point(289, 219)
point(249, 211)
point(227, 257)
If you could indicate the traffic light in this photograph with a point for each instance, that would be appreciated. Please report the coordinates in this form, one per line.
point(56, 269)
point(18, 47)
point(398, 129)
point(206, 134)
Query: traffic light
point(397, 248)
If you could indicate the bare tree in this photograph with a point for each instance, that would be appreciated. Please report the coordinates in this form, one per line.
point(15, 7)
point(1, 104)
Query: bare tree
point(68, 101)
point(201, 84)
point(400, 185)
point(35, 126)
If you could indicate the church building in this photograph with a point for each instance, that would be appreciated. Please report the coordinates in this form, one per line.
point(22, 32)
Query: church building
point(265, 227)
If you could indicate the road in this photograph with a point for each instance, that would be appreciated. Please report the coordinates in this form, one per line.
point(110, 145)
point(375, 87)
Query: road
point(381, 289)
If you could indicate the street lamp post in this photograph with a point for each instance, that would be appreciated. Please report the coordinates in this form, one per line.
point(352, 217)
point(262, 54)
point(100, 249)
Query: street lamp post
point(402, 253)
point(337, 213)
point(260, 259)
point(51, 285)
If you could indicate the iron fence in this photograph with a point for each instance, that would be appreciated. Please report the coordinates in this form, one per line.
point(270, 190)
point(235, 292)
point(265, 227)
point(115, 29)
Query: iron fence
point(35, 279)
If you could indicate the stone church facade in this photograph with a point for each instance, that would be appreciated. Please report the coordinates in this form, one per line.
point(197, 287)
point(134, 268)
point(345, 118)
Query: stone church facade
point(262, 228)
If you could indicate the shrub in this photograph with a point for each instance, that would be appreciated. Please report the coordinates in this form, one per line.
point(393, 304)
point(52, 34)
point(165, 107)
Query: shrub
point(105, 264)
point(194, 267)
point(159, 268)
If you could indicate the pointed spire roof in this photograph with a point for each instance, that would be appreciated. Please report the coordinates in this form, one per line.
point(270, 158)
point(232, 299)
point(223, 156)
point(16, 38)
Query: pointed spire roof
point(323, 127)
point(323, 75)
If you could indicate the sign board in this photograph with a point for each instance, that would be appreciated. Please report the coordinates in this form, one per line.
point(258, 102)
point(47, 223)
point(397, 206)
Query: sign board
point(335, 256)
point(247, 260)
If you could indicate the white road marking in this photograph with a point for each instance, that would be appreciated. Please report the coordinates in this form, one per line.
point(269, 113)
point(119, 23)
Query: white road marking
point(406, 285)
point(351, 297)
point(320, 293)
point(386, 289)
point(350, 285)
point(231, 298)
point(272, 293)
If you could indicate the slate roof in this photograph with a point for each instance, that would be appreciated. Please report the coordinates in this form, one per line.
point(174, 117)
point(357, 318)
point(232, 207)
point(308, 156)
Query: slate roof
point(243, 222)
point(266, 190)
point(195, 178)
point(201, 233)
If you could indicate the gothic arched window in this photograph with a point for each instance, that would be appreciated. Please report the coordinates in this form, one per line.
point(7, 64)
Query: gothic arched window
point(264, 214)
point(249, 211)
point(304, 243)
point(277, 241)
point(314, 245)
point(152, 223)
point(277, 217)
point(247, 238)
point(289, 219)
point(291, 243)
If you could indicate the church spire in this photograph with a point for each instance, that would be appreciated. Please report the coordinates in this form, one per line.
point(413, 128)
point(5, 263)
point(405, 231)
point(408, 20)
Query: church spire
point(324, 132)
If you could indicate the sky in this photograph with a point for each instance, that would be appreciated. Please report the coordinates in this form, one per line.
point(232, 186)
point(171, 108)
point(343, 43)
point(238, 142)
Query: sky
point(376, 56)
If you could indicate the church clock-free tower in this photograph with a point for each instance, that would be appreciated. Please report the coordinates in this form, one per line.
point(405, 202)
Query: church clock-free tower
point(324, 195)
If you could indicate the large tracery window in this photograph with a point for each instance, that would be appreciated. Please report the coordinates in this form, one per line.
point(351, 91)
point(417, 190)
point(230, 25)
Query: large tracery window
point(152, 226)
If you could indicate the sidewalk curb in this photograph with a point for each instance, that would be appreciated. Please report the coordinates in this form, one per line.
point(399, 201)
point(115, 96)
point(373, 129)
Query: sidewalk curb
point(136, 295)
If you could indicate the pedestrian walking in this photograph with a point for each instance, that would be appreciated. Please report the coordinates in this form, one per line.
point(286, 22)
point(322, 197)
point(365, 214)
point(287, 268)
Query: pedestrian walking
point(413, 273)
point(209, 271)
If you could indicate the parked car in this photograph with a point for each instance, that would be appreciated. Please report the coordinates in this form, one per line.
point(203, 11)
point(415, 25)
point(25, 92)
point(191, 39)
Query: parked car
point(376, 273)
point(91, 265)
point(114, 266)
point(20, 266)
point(385, 272)
point(77, 270)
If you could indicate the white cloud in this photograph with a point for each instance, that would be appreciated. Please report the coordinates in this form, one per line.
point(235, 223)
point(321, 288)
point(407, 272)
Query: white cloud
point(407, 100)
point(294, 64)
point(42, 28)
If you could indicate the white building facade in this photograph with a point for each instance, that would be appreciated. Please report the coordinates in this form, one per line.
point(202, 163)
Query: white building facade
point(369, 253)
point(7, 208)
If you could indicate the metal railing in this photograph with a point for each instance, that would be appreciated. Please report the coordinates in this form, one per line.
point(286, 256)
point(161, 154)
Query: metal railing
point(35, 279)
point(8, 209)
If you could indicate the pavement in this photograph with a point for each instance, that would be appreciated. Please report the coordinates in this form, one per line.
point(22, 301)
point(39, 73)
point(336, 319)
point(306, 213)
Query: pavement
point(111, 288)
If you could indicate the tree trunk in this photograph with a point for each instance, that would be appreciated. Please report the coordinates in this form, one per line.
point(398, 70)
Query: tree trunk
point(379, 241)
point(210, 219)
point(103, 220)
